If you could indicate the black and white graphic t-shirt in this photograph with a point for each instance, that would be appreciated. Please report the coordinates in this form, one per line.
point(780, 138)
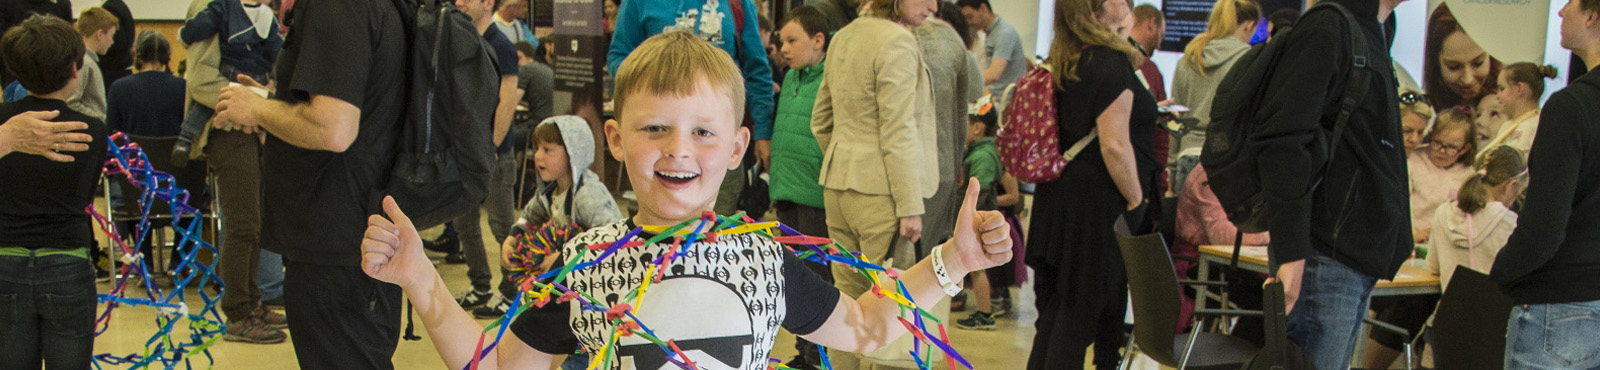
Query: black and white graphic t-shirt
point(721, 302)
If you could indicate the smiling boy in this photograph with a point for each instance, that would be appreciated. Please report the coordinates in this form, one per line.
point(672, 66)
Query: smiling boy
point(678, 99)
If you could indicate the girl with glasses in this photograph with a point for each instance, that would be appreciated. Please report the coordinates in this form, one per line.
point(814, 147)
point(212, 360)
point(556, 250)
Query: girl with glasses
point(1442, 164)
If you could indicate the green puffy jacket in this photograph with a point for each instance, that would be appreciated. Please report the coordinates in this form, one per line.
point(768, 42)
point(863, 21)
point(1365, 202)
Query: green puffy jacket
point(796, 156)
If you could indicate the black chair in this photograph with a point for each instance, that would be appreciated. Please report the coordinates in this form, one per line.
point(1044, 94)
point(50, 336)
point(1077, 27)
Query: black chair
point(1169, 219)
point(1469, 327)
point(193, 177)
point(1154, 290)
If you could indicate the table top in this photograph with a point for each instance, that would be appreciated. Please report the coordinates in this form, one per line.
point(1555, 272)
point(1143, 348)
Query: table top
point(1409, 276)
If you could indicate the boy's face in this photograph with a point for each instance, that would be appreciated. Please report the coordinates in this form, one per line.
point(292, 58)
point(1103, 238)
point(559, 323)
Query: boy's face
point(103, 40)
point(676, 150)
point(552, 161)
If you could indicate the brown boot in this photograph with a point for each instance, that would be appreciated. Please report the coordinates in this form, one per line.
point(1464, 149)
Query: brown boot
point(270, 317)
point(252, 330)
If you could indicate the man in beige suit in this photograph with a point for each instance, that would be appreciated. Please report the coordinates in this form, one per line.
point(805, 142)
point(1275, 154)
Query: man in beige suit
point(236, 161)
point(874, 118)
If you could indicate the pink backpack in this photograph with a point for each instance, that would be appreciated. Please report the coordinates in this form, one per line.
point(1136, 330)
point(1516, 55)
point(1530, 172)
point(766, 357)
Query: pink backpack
point(1029, 145)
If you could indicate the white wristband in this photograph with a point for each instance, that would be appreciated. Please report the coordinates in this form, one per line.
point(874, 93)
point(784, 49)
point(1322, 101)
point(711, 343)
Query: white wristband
point(951, 288)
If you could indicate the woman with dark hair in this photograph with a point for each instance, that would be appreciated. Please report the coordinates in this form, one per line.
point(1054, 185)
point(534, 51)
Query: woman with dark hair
point(1080, 284)
point(1457, 71)
point(149, 102)
point(950, 13)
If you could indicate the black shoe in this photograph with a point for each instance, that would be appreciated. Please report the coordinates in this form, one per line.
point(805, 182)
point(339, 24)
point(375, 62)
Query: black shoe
point(473, 298)
point(180, 152)
point(495, 309)
point(977, 321)
point(455, 258)
point(801, 363)
point(1001, 308)
point(444, 244)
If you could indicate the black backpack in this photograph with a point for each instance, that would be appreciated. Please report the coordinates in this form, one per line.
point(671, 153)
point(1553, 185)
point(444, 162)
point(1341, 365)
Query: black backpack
point(1229, 154)
point(445, 152)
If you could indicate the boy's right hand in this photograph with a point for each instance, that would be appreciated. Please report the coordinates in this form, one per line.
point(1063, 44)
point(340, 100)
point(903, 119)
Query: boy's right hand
point(391, 251)
point(505, 252)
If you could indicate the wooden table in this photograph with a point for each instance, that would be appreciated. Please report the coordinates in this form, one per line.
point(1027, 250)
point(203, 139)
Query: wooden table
point(1410, 280)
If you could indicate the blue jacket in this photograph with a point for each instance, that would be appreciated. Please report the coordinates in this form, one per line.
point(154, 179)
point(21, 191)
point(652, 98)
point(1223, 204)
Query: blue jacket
point(241, 47)
point(637, 21)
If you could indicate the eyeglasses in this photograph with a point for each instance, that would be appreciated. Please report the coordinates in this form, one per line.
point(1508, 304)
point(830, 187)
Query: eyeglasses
point(1441, 146)
point(1413, 98)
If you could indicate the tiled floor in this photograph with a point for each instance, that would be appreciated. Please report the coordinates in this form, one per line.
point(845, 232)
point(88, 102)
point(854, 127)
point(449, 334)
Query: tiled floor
point(131, 327)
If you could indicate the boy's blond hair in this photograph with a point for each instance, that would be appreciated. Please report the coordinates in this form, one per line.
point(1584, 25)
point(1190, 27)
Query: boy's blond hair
point(669, 64)
point(94, 20)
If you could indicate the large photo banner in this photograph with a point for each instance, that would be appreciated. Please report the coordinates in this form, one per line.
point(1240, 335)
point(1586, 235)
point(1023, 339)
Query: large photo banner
point(1468, 42)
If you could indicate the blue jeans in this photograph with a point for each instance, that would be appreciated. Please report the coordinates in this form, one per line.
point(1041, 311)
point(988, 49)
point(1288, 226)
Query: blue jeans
point(1553, 336)
point(576, 361)
point(1180, 171)
point(269, 276)
point(195, 120)
point(1327, 317)
point(47, 307)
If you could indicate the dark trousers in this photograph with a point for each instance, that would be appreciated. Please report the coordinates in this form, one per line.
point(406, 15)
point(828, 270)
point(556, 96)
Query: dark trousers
point(810, 221)
point(341, 319)
point(47, 307)
point(1068, 324)
point(502, 213)
point(235, 157)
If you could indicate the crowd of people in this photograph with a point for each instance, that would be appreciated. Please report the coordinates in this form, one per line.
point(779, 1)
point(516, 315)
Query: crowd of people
point(875, 124)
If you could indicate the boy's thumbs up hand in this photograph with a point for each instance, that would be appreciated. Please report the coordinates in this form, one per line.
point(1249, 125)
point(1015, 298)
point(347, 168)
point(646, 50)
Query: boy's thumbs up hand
point(391, 250)
point(981, 240)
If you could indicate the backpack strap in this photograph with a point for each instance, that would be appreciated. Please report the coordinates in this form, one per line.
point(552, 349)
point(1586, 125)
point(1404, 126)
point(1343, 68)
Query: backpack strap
point(1082, 143)
point(1356, 81)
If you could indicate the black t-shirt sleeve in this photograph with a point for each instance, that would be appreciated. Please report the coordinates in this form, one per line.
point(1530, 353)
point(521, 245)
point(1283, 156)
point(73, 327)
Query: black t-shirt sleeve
point(546, 329)
point(1104, 74)
point(322, 65)
point(505, 53)
point(810, 300)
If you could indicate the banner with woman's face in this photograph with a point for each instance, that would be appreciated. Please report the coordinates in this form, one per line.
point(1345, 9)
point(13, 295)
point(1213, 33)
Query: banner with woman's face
point(1468, 42)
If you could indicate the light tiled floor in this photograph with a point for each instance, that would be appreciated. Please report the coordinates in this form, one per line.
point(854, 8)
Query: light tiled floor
point(131, 327)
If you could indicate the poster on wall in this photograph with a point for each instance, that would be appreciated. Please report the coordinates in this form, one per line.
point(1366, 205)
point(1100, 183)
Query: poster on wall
point(579, 48)
point(1467, 44)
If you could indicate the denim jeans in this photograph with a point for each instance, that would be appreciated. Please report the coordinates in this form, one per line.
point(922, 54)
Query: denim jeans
point(269, 276)
point(1553, 336)
point(195, 120)
point(1181, 169)
point(1327, 317)
point(47, 307)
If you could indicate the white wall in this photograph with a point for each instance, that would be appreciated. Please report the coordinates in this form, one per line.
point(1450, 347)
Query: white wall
point(1023, 15)
point(152, 10)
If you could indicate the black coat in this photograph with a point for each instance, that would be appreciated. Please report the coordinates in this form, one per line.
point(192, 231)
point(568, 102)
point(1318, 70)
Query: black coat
point(1359, 214)
point(1554, 255)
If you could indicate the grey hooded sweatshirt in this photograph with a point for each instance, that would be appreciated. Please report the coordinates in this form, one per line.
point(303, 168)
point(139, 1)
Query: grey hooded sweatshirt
point(1192, 89)
point(1456, 241)
point(587, 203)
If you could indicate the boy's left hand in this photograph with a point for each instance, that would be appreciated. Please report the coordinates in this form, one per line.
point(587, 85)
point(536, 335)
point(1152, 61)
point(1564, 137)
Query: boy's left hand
point(982, 239)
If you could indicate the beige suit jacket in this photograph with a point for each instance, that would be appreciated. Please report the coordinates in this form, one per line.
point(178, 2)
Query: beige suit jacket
point(203, 83)
point(874, 116)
